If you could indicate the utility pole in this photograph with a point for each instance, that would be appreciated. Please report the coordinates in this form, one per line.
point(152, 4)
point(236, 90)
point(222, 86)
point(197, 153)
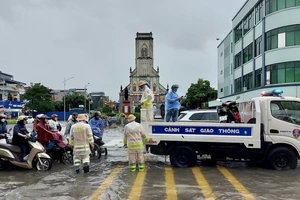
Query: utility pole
point(65, 80)
point(85, 96)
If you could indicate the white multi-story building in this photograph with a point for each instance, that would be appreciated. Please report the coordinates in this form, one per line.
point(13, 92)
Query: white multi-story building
point(261, 52)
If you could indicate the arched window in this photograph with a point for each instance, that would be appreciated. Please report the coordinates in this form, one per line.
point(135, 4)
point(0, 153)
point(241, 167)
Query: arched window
point(134, 87)
point(144, 50)
point(154, 87)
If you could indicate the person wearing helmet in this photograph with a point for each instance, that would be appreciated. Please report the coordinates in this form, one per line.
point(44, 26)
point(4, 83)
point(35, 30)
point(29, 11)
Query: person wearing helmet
point(3, 128)
point(147, 99)
point(81, 138)
point(36, 121)
point(172, 104)
point(72, 121)
point(97, 125)
point(20, 135)
point(45, 135)
point(54, 125)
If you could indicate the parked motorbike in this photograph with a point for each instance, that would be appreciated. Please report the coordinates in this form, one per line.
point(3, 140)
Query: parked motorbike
point(227, 112)
point(36, 158)
point(98, 150)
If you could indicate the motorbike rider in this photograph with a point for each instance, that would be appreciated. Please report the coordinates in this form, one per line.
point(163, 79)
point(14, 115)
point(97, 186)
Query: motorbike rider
point(72, 121)
point(97, 127)
point(21, 134)
point(54, 124)
point(237, 115)
point(3, 128)
point(45, 135)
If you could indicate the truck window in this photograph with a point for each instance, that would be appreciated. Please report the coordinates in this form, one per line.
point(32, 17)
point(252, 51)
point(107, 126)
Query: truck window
point(288, 111)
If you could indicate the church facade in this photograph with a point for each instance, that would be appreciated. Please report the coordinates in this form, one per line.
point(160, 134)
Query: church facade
point(144, 70)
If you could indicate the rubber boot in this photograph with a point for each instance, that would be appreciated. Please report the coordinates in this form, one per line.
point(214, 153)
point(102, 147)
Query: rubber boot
point(86, 168)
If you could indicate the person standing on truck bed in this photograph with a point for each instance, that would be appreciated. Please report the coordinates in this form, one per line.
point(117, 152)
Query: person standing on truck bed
point(172, 102)
point(147, 99)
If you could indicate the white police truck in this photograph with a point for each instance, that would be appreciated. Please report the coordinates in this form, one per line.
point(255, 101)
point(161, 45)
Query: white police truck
point(269, 134)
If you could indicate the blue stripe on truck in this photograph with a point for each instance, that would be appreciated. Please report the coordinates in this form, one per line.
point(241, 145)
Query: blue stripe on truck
point(204, 130)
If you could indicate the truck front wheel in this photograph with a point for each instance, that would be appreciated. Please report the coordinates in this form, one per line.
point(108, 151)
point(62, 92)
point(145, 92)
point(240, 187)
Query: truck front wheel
point(282, 158)
point(183, 156)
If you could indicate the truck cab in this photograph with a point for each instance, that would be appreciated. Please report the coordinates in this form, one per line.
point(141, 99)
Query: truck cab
point(269, 134)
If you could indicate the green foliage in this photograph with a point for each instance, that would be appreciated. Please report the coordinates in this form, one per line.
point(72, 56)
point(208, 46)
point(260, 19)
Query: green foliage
point(199, 94)
point(111, 114)
point(107, 109)
point(39, 98)
point(58, 105)
point(74, 100)
point(11, 121)
point(138, 117)
point(137, 109)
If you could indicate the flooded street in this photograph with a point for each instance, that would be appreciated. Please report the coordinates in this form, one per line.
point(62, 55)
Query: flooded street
point(109, 178)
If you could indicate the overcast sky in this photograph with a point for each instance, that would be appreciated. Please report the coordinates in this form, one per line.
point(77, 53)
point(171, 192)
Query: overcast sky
point(94, 40)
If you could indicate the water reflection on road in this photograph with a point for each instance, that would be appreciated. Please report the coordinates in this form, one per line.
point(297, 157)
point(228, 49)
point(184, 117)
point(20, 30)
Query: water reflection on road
point(110, 179)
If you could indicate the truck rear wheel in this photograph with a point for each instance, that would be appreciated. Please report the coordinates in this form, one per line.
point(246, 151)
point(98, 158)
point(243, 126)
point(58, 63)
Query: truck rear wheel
point(282, 158)
point(183, 156)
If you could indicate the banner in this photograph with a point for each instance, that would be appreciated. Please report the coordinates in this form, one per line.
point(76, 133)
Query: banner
point(203, 130)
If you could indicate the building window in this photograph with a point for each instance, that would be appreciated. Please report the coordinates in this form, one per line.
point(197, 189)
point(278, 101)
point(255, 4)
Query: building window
point(283, 36)
point(288, 72)
point(248, 81)
point(258, 77)
point(248, 53)
point(237, 60)
point(221, 89)
point(238, 85)
point(248, 23)
point(275, 5)
point(231, 69)
point(154, 87)
point(238, 32)
point(144, 50)
point(258, 46)
point(134, 87)
point(259, 12)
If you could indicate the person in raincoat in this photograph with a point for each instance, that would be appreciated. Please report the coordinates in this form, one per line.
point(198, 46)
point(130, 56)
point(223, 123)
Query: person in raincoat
point(70, 123)
point(81, 138)
point(172, 102)
point(134, 139)
point(147, 99)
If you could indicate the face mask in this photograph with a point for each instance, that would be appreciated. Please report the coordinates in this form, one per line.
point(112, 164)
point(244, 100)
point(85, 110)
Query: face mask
point(2, 120)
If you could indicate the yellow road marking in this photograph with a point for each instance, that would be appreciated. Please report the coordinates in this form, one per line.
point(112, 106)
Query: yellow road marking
point(107, 182)
point(236, 184)
point(204, 185)
point(137, 187)
point(170, 184)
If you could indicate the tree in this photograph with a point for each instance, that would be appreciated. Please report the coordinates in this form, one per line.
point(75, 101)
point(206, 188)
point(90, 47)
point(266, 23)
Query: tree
point(107, 109)
point(58, 105)
point(199, 94)
point(39, 98)
point(74, 100)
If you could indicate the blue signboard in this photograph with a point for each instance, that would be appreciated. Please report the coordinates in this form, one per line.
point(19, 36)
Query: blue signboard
point(203, 130)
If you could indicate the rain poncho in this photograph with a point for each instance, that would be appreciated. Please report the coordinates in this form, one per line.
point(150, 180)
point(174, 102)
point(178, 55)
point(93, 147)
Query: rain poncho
point(135, 137)
point(81, 137)
point(147, 98)
point(45, 136)
point(97, 127)
point(171, 102)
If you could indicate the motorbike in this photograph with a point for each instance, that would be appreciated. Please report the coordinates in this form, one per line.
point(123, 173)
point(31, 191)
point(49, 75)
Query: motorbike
point(37, 158)
point(98, 149)
point(227, 111)
point(59, 153)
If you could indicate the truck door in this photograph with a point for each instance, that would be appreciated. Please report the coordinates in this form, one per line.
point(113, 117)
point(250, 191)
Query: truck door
point(284, 118)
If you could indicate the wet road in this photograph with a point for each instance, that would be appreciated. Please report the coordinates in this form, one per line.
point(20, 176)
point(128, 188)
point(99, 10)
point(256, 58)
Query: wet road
point(110, 179)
